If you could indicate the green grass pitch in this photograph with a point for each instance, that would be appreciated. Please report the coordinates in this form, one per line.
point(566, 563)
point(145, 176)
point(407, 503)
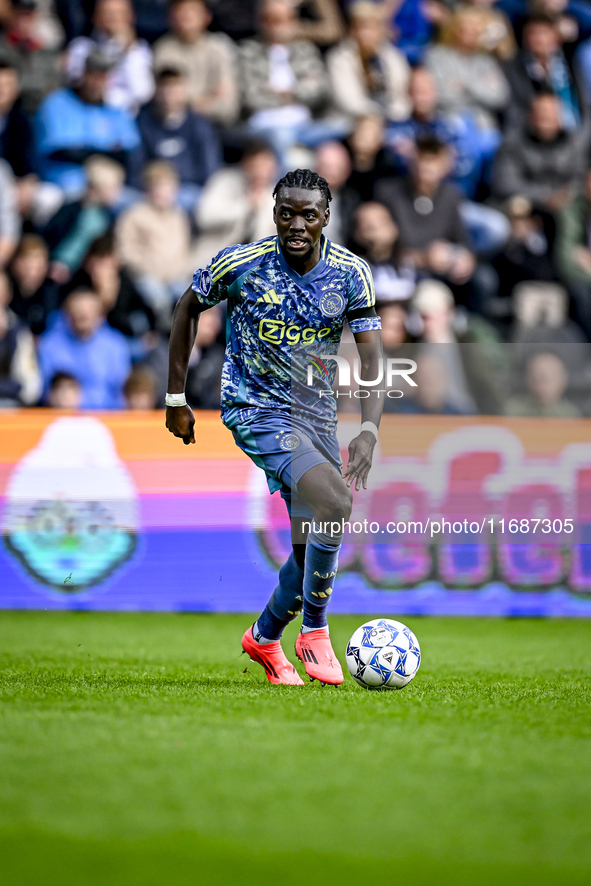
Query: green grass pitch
point(135, 750)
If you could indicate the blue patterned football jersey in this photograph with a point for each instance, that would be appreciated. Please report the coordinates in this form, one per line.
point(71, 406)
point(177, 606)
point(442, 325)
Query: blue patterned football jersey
point(280, 323)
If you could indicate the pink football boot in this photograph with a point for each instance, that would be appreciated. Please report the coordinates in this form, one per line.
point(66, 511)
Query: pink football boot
point(320, 662)
point(272, 657)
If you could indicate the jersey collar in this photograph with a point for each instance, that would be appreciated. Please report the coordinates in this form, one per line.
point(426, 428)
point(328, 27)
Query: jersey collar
point(316, 270)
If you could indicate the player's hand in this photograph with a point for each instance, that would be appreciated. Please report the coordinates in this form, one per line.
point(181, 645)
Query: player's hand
point(180, 421)
point(360, 456)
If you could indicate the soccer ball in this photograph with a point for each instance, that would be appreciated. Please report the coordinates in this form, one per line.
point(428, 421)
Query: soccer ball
point(383, 654)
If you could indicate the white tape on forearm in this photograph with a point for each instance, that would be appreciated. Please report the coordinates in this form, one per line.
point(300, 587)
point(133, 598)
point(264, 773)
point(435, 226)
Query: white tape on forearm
point(175, 400)
point(371, 427)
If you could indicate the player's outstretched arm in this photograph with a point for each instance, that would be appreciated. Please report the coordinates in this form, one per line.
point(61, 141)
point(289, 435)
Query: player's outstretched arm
point(369, 345)
point(180, 420)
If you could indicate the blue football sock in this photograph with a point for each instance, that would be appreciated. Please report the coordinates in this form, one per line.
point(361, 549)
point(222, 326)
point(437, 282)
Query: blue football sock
point(322, 561)
point(285, 603)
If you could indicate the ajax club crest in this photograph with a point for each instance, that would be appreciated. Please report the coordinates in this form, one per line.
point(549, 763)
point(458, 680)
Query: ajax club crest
point(205, 282)
point(332, 304)
point(289, 442)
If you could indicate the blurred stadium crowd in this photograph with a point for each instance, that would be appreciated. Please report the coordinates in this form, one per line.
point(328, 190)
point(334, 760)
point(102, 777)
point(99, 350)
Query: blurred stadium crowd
point(140, 138)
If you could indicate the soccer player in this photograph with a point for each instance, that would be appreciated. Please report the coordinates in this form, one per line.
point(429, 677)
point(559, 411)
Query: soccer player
point(288, 299)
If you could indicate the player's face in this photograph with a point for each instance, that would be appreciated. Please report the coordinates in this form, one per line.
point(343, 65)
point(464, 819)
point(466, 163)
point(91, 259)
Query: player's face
point(300, 215)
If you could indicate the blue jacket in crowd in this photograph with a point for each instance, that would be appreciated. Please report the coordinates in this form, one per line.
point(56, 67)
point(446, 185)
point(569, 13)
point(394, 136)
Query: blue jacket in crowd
point(101, 363)
point(68, 130)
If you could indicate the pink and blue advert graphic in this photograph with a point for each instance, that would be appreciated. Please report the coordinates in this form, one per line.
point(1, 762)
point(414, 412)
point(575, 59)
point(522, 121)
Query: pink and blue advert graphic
point(463, 516)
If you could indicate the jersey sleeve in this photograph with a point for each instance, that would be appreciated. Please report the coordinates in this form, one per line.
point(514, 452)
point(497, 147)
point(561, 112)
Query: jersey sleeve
point(361, 306)
point(210, 284)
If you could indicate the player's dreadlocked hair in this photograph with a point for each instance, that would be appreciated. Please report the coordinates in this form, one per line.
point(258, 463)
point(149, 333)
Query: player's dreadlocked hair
point(306, 179)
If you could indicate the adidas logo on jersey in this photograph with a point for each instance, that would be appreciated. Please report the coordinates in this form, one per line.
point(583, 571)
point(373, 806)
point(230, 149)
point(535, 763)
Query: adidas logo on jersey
point(270, 298)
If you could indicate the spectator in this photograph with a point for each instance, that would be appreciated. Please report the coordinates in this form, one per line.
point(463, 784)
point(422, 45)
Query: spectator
point(541, 66)
point(542, 324)
point(130, 82)
point(583, 66)
point(208, 60)
point(170, 130)
point(472, 153)
point(35, 295)
point(237, 203)
point(140, 389)
point(5, 10)
point(71, 231)
point(153, 240)
point(317, 20)
point(64, 392)
point(396, 340)
point(333, 163)
point(496, 33)
point(474, 360)
point(82, 344)
point(375, 237)
point(20, 383)
point(72, 124)
point(122, 304)
point(368, 75)
point(527, 255)
point(16, 132)
point(393, 316)
point(546, 381)
point(413, 22)
point(540, 305)
point(75, 17)
point(369, 159)
point(572, 18)
point(206, 361)
point(284, 83)
point(9, 218)
point(151, 18)
point(541, 160)
point(426, 210)
point(573, 252)
point(434, 394)
point(467, 78)
point(21, 47)
point(37, 201)
point(48, 29)
point(321, 22)
point(235, 18)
